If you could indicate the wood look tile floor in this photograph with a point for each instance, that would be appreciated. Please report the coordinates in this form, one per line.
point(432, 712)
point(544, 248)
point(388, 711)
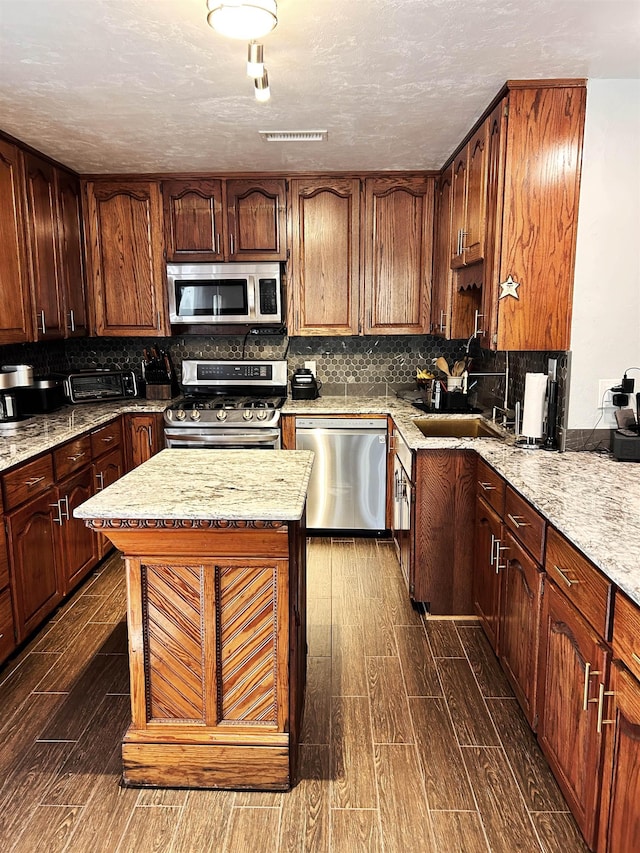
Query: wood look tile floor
point(412, 740)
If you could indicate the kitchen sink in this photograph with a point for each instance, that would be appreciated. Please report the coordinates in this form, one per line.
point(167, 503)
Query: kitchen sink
point(457, 428)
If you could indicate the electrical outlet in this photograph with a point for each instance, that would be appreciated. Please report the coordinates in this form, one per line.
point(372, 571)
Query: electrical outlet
point(311, 365)
point(605, 403)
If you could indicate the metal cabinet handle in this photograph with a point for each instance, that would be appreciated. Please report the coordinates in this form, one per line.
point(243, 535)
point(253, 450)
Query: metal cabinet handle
point(107, 439)
point(217, 244)
point(33, 481)
point(499, 549)
point(100, 481)
point(57, 518)
point(569, 581)
point(43, 324)
point(65, 513)
point(518, 520)
point(76, 456)
point(72, 320)
point(487, 487)
point(442, 322)
point(476, 324)
point(493, 545)
point(588, 672)
point(149, 437)
point(601, 694)
point(232, 246)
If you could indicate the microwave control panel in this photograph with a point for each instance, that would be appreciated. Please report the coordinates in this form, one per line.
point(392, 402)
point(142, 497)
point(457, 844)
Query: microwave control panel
point(268, 296)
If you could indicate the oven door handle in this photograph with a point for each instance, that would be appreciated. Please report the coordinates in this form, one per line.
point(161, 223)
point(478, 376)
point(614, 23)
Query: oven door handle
point(218, 439)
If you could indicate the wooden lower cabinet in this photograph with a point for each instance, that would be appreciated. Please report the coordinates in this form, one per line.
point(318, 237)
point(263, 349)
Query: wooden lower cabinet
point(520, 622)
point(78, 544)
point(106, 470)
point(572, 673)
point(486, 570)
point(144, 437)
point(37, 577)
point(444, 513)
point(619, 830)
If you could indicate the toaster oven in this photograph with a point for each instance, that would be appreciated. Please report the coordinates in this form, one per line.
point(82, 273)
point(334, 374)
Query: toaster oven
point(90, 386)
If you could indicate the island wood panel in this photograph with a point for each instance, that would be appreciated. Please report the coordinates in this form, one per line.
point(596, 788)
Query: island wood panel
point(444, 531)
point(15, 294)
point(126, 252)
point(325, 256)
point(540, 214)
point(397, 255)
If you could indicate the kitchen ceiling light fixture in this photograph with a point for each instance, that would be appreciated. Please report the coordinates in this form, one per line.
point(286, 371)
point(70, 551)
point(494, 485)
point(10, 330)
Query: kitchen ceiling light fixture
point(255, 60)
point(242, 20)
point(261, 87)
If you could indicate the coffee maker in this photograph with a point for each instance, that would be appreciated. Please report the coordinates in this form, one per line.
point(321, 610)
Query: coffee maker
point(8, 407)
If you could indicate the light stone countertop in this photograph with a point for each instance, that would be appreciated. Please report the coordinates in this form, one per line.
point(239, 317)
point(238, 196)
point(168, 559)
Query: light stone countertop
point(235, 485)
point(592, 499)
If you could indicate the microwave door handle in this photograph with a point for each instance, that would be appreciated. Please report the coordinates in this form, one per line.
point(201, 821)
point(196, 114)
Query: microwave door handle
point(252, 283)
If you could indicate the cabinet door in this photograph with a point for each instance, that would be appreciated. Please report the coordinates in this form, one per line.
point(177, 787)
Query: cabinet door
point(402, 527)
point(442, 275)
point(620, 810)
point(15, 294)
point(145, 436)
point(539, 218)
point(496, 135)
point(486, 570)
point(476, 198)
point(398, 252)
point(521, 595)
point(79, 550)
point(256, 216)
point(193, 220)
point(71, 255)
point(42, 228)
point(124, 228)
point(325, 257)
point(573, 665)
point(34, 553)
point(458, 200)
point(106, 470)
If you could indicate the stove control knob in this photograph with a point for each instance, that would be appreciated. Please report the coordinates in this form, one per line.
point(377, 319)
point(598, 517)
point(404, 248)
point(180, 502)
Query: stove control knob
point(195, 415)
point(168, 415)
point(247, 414)
point(181, 415)
point(221, 415)
point(263, 414)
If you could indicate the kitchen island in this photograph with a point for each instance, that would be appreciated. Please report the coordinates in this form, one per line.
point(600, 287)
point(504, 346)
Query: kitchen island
point(214, 546)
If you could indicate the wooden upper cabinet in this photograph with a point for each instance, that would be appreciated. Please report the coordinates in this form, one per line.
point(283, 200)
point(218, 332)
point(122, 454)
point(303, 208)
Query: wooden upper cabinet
point(325, 257)
point(126, 255)
point(71, 255)
point(42, 230)
point(476, 200)
point(442, 277)
point(458, 198)
point(539, 217)
point(397, 254)
point(15, 295)
point(257, 220)
point(218, 220)
point(193, 220)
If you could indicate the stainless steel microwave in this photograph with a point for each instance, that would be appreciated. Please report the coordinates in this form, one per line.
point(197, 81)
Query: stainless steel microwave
point(224, 294)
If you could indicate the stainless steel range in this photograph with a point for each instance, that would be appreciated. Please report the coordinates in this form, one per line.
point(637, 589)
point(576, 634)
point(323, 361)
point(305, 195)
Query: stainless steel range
point(228, 404)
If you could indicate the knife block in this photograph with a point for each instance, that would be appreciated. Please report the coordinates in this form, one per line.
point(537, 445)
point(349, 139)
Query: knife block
point(158, 391)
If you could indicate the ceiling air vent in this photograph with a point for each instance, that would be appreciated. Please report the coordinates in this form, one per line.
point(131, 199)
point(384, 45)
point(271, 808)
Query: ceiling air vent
point(294, 135)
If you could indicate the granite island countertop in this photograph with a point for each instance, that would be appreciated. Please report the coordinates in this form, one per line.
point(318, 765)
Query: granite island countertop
point(232, 485)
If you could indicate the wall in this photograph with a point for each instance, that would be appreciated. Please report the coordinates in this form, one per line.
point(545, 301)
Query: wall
point(605, 336)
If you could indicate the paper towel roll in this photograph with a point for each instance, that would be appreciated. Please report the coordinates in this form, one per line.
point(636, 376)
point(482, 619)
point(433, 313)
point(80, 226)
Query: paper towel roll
point(535, 389)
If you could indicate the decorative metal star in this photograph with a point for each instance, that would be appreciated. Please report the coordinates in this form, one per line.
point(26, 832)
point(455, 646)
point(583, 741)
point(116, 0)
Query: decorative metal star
point(509, 288)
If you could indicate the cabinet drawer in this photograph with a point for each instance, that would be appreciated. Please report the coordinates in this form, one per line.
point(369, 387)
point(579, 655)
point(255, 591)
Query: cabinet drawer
point(7, 632)
point(490, 486)
point(71, 456)
point(27, 481)
point(526, 524)
point(106, 438)
point(580, 581)
point(626, 633)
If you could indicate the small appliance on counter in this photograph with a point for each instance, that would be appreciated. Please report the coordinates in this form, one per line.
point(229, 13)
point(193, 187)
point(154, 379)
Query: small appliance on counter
point(91, 386)
point(13, 378)
point(304, 385)
point(42, 396)
point(626, 439)
point(9, 411)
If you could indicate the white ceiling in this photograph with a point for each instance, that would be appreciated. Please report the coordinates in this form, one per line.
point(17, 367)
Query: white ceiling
point(147, 86)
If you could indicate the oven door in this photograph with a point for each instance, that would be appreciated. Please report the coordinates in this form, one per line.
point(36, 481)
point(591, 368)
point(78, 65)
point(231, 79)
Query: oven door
point(217, 439)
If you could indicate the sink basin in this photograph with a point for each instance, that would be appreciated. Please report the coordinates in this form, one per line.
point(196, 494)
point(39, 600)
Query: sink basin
point(457, 428)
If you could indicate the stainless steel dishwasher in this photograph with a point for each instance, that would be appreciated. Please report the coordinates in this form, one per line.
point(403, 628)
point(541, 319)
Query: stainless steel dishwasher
point(348, 487)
